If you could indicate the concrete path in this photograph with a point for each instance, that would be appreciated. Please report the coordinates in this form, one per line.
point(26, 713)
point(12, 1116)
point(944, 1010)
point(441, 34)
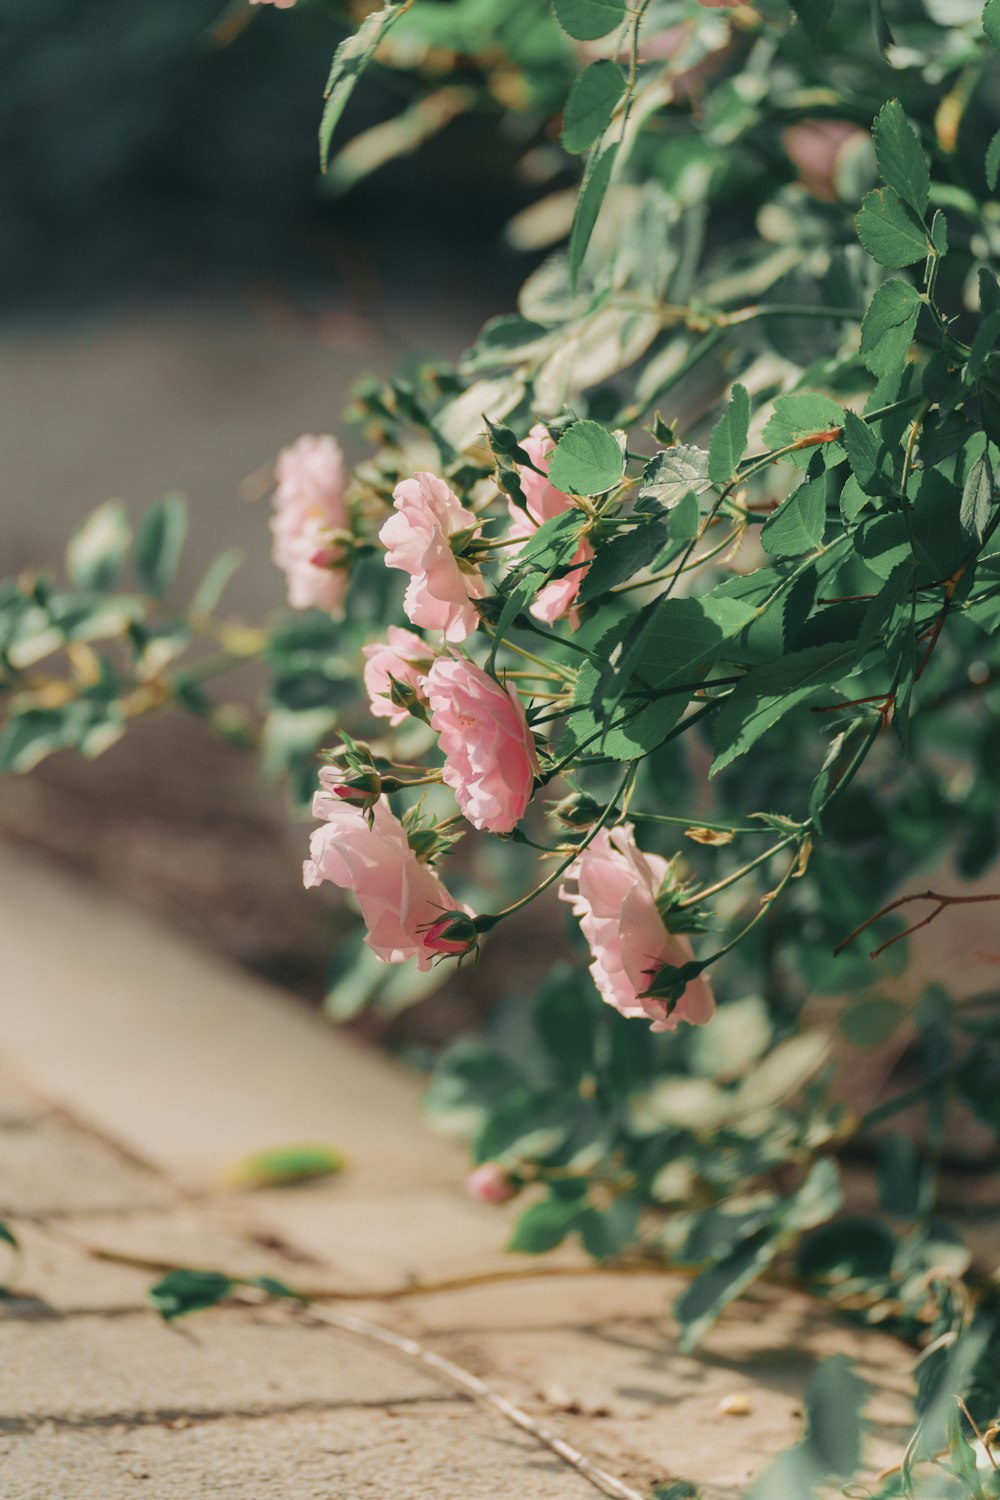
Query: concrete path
point(133, 1073)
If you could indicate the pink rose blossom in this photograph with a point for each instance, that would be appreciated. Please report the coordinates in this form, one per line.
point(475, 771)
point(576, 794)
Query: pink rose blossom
point(544, 501)
point(615, 899)
point(308, 504)
point(440, 592)
point(816, 147)
point(403, 656)
point(281, 4)
point(490, 757)
point(400, 898)
point(490, 1184)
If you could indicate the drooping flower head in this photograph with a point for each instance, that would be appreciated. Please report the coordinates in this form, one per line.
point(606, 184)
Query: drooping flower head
point(544, 501)
point(490, 757)
point(400, 898)
point(309, 504)
point(402, 657)
point(417, 540)
point(615, 899)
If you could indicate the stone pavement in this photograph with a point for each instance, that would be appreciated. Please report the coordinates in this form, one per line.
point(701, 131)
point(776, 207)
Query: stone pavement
point(133, 1072)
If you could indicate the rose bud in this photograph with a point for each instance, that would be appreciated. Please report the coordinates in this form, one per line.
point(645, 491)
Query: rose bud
point(455, 932)
point(490, 1184)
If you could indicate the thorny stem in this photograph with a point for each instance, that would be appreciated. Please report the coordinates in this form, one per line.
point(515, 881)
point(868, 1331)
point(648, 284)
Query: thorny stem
point(943, 902)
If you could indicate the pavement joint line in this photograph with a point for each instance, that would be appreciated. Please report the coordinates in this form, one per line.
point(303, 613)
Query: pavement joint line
point(180, 1417)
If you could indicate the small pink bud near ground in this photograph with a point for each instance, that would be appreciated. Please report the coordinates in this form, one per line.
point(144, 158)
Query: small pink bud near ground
point(490, 1184)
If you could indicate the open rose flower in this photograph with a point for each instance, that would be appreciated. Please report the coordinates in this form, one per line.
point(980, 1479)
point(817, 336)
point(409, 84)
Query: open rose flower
point(490, 757)
point(403, 657)
point(441, 589)
point(308, 505)
point(400, 899)
point(544, 501)
point(615, 899)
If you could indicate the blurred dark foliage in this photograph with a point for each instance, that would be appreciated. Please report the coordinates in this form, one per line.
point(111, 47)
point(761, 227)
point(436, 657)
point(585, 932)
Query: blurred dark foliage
point(148, 144)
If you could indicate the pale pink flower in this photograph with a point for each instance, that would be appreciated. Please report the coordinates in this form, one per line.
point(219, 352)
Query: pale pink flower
point(400, 898)
point(816, 147)
point(281, 4)
point(440, 592)
point(309, 504)
point(490, 757)
point(403, 656)
point(615, 899)
point(490, 1184)
point(544, 501)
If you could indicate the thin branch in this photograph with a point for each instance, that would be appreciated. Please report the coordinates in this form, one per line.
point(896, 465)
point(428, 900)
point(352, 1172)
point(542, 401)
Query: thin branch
point(943, 901)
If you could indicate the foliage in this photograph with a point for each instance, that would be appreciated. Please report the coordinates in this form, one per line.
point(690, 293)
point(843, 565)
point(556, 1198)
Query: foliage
point(764, 370)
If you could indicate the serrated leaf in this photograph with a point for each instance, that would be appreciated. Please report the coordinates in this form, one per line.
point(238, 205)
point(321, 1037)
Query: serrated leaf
point(729, 439)
point(983, 344)
point(621, 558)
point(592, 102)
point(588, 206)
point(95, 556)
point(889, 229)
point(671, 475)
point(802, 414)
point(901, 161)
point(588, 19)
point(977, 498)
point(349, 62)
point(159, 541)
point(587, 460)
point(798, 524)
point(773, 689)
point(991, 21)
point(889, 325)
point(866, 456)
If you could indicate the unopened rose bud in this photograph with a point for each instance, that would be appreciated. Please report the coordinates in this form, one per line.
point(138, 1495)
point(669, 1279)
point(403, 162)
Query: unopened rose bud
point(455, 933)
point(490, 1184)
point(670, 981)
point(579, 811)
point(326, 557)
point(360, 790)
point(404, 695)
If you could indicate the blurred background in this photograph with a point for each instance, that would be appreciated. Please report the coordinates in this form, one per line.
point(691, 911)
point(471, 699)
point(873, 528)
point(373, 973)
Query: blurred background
point(182, 295)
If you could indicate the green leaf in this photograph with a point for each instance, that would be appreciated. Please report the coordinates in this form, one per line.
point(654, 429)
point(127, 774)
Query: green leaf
point(592, 102)
point(159, 540)
point(95, 556)
point(621, 558)
point(609, 1231)
point(545, 1225)
point(889, 229)
point(595, 185)
point(586, 461)
point(977, 498)
point(991, 21)
point(814, 15)
point(707, 1297)
point(889, 325)
point(672, 475)
point(993, 162)
point(870, 1022)
point(797, 525)
point(963, 1456)
point(286, 1164)
point(802, 414)
point(186, 1291)
point(274, 1287)
point(729, 440)
point(349, 62)
point(217, 575)
point(983, 344)
point(7, 1236)
point(899, 1176)
point(901, 161)
point(867, 457)
point(589, 19)
point(834, 1399)
point(771, 690)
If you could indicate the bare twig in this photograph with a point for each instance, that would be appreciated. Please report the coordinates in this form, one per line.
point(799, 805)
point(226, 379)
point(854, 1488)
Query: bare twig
point(943, 901)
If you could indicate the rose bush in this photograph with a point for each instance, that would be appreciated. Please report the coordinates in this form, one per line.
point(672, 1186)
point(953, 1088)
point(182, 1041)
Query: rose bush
point(700, 619)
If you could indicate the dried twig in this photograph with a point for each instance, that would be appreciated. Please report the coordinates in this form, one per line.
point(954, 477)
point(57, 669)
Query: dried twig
point(943, 901)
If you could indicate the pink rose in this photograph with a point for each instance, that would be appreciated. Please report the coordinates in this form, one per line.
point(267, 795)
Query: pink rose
point(615, 899)
point(490, 757)
point(490, 1184)
point(403, 656)
point(545, 501)
point(281, 4)
point(400, 898)
point(440, 591)
point(308, 504)
point(816, 148)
